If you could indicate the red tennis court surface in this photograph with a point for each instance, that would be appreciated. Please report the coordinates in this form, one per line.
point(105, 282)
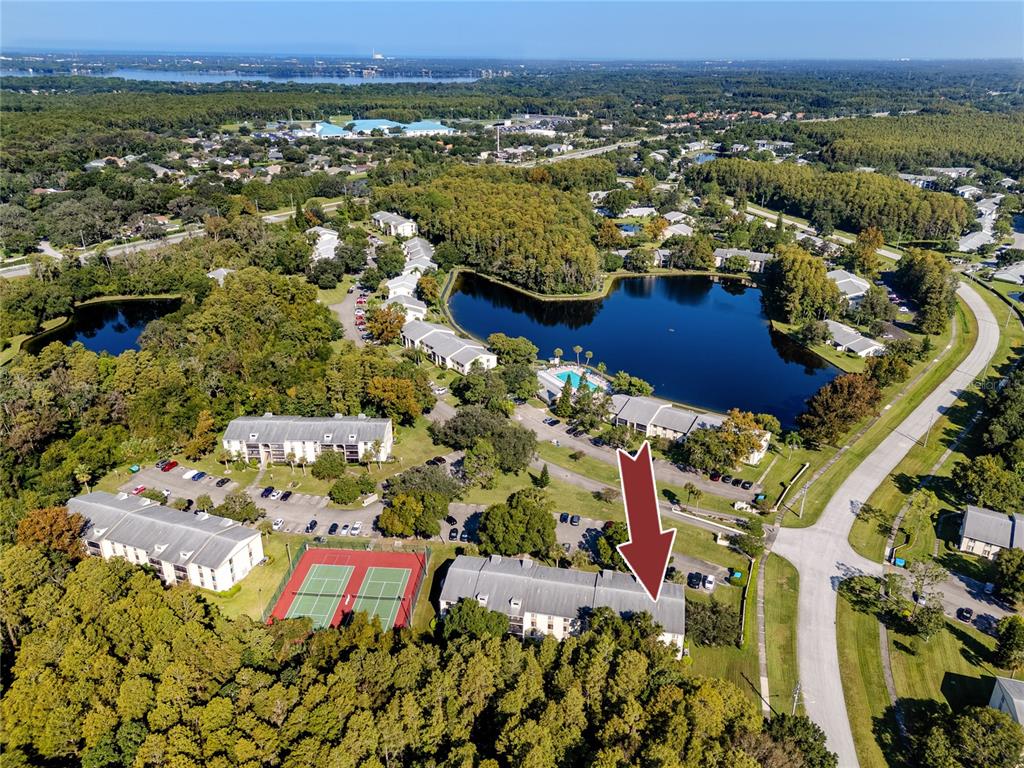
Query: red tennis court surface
point(327, 585)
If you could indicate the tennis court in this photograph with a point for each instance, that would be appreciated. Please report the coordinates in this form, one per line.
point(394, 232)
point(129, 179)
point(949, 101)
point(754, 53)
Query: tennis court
point(329, 585)
point(381, 593)
point(319, 593)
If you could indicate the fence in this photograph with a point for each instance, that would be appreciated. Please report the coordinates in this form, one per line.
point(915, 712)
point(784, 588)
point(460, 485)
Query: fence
point(299, 552)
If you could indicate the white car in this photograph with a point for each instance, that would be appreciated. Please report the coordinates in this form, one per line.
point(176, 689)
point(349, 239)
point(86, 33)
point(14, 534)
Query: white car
point(188, 474)
point(344, 530)
point(275, 495)
point(360, 312)
point(709, 582)
point(356, 528)
point(278, 524)
point(440, 390)
point(166, 492)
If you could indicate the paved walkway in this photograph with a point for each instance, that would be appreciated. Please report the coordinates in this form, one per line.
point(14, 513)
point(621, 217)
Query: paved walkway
point(823, 556)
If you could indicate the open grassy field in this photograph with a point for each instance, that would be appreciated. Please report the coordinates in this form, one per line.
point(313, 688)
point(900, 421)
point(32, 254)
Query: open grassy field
point(781, 585)
point(860, 662)
point(257, 589)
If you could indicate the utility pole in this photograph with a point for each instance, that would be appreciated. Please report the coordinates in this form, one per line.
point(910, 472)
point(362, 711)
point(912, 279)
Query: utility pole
point(796, 695)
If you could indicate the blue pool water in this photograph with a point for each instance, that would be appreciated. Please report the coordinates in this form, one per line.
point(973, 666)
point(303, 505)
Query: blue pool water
point(630, 228)
point(574, 379)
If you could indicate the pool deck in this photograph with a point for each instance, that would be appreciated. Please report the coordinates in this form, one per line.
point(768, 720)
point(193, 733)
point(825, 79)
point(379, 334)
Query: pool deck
point(550, 385)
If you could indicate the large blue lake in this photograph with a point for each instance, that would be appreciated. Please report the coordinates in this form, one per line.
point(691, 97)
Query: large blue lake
point(695, 340)
point(113, 326)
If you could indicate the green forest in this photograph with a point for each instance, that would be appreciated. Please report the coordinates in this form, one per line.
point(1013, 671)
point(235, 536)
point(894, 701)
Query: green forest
point(851, 201)
point(530, 234)
point(113, 669)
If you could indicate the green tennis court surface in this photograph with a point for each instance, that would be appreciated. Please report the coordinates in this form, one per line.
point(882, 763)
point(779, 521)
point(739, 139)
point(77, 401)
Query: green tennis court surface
point(320, 593)
point(381, 593)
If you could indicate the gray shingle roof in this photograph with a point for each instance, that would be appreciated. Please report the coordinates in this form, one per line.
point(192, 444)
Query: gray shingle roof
point(676, 419)
point(389, 217)
point(724, 253)
point(639, 410)
point(417, 330)
point(991, 527)
point(277, 429)
point(848, 283)
point(1014, 690)
point(558, 591)
point(167, 534)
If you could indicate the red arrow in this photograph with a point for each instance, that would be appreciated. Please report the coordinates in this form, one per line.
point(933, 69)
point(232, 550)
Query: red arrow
point(649, 548)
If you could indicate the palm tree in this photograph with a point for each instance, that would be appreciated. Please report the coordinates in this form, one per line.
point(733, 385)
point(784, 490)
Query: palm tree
point(602, 368)
point(690, 489)
point(793, 440)
point(290, 458)
point(558, 353)
point(577, 349)
point(83, 476)
point(588, 354)
point(697, 493)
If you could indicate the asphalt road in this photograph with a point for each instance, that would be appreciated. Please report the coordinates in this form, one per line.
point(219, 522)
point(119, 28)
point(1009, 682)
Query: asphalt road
point(578, 153)
point(823, 556)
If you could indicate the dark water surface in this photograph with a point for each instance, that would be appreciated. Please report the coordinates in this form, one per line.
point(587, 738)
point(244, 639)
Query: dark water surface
point(112, 326)
point(695, 340)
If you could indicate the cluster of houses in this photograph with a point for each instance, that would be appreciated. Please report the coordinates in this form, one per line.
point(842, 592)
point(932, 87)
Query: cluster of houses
point(419, 259)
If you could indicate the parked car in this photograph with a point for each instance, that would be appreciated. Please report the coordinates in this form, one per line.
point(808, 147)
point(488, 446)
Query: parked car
point(965, 614)
point(737, 481)
point(564, 517)
point(286, 495)
point(188, 505)
point(566, 547)
point(198, 476)
point(607, 525)
point(715, 476)
point(278, 524)
point(726, 478)
point(188, 474)
point(439, 461)
point(694, 580)
point(318, 539)
point(709, 582)
point(267, 491)
point(574, 520)
point(166, 492)
point(450, 520)
point(311, 526)
point(464, 536)
point(344, 530)
point(747, 485)
point(333, 529)
point(453, 534)
point(275, 495)
point(357, 526)
point(222, 482)
point(168, 466)
point(138, 489)
point(162, 463)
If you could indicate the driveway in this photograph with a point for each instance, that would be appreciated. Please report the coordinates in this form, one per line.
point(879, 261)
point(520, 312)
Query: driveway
point(823, 556)
point(664, 472)
point(345, 312)
point(180, 488)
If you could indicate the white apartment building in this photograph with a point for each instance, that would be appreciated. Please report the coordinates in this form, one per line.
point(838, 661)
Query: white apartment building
point(985, 532)
point(272, 439)
point(540, 600)
point(204, 550)
point(444, 348)
point(392, 224)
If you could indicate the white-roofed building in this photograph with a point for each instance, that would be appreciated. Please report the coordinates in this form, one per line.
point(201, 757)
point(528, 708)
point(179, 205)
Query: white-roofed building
point(852, 287)
point(419, 255)
point(540, 600)
point(846, 339)
point(326, 242)
point(202, 549)
point(985, 532)
point(639, 212)
point(392, 224)
point(679, 228)
point(1008, 697)
point(413, 307)
point(444, 348)
point(755, 259)
point(403, 285)
point(272, 439)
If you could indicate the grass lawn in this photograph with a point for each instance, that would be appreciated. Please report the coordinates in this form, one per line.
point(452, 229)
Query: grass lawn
point(892, 415)
point(567, 498)
point(700, 543)
point(14, 343)
point(337, 294)
point(738, 665)
point(284, 478)
point(258, 588)
point(781, 585)
point(412, 446)
point(860, 663)
point(954, 666)
point(868, 536)
point(441, 555)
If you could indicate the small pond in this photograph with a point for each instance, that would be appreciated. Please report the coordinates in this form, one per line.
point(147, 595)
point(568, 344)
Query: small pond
point(111, 326)
point(695, 340)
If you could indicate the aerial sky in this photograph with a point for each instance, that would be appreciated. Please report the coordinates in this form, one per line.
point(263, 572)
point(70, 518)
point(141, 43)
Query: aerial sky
point(726, 29)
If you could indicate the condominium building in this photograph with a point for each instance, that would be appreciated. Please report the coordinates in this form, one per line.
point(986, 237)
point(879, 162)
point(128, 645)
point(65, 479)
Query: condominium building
point(540, 600)
point(202, 549)
point(272, 439)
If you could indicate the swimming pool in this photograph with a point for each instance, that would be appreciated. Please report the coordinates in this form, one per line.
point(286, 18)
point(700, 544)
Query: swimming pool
point(574, 379)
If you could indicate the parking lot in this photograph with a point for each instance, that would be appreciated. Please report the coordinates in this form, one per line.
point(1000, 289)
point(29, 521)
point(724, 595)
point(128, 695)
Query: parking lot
point(180, 488)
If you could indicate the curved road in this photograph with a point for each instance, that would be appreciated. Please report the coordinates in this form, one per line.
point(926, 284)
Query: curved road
point(822, 553)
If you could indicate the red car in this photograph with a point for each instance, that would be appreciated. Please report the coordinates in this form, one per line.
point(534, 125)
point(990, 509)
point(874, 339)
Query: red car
point(169, 466)
point(138, 489)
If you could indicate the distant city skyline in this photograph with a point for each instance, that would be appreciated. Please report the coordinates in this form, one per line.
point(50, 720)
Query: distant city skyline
point(609, 31)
